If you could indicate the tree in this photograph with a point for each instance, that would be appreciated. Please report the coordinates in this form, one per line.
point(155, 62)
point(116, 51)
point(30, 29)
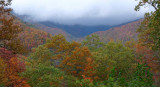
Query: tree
point(150, 27)
point(8, 40)
point(149, 31)
point(59, 45)
point(40, 55)
point(72, 56)
point(93, 42)
point(44, 76)
point(113, 55)
point(40, 71)
point(141, 77)
point(12, 72)
point(77, 63)
point(154, 3)
point(32, 37)
point(60, 48)
point(2, 71)
point(11, 67)
point(9, 29)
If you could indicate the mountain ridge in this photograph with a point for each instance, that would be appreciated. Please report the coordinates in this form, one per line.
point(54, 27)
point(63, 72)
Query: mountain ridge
point(70, 31)
point(124, 33)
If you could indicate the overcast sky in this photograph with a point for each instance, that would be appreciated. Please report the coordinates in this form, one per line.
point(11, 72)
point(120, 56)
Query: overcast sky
point(85, 12)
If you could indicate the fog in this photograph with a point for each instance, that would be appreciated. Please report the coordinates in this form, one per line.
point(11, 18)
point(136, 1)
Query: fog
point(84, 12)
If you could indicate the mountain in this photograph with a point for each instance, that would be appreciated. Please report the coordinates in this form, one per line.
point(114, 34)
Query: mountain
point(31, 36)
point(77, 31)
point(70, 31)
point(124, 32)
point(39, 26)
point(54, 31)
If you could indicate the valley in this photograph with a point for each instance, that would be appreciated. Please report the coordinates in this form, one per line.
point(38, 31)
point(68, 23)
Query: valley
point(79, 43)
point(123, 32)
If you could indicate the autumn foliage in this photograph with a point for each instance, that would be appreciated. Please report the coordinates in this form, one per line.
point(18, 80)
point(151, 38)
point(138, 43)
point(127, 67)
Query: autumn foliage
point(9, 45)
point(55, 62)
point(31, 37)
point(9, 29)
point(75, 59)
point(11, 67)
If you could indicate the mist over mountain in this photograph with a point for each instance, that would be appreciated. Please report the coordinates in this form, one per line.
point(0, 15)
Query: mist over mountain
point(77, 31)
point(79, 43)
point(81, 12)
point(78, 18)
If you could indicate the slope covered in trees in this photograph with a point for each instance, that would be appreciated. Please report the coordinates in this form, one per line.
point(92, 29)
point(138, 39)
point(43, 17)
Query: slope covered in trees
point(55, 31)
point(31, 36)
point(125, 32)
point(90, 63)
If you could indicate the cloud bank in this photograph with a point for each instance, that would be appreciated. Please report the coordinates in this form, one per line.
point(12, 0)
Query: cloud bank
point(85, 12)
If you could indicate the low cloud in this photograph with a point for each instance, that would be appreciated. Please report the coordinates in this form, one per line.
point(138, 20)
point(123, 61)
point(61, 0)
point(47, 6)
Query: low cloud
point(85, 12)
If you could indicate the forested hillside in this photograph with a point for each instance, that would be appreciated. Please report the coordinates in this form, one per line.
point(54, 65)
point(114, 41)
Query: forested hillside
point(31, 36)
point(124, 33)
point(77, 31)
point(30, 57)
point(55, 31)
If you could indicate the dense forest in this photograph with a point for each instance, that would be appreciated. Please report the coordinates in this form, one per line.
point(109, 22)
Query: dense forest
point(33, 58)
